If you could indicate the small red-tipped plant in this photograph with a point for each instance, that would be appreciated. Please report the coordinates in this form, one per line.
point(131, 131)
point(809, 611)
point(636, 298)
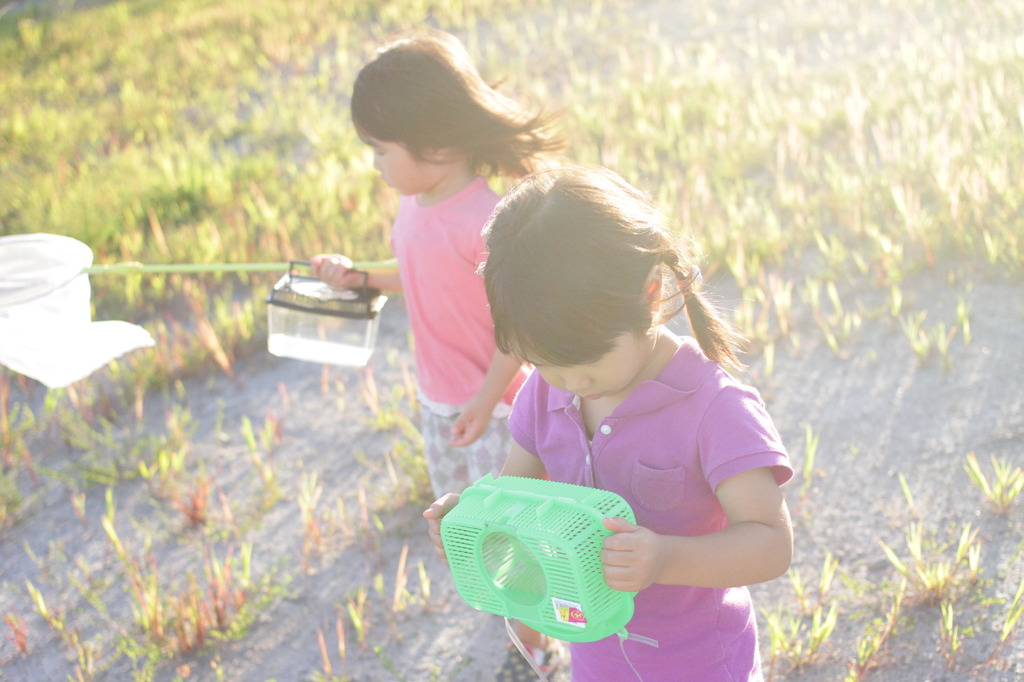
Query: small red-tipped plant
point(328, 669)
point(19, 633)
point(194, 501)
point(371, 394)
point(229, 516)
point(190, 619)
point(225, 598)
point(339, 628)
point(5, 429)
point(78, 506)
point(312, 537)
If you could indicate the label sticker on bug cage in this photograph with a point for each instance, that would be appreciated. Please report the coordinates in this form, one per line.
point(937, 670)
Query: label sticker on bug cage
point(569, 612)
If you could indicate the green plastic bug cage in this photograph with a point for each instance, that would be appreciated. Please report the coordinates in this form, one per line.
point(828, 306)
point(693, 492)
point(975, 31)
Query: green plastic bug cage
point(530, 550)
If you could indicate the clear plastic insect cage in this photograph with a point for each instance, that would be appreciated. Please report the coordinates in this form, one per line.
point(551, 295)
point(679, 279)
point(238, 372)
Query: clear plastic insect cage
point(313, 321)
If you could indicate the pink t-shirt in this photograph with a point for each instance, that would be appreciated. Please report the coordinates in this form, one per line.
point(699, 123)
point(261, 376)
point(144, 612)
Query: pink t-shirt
point(439, 250)
point(664, 449)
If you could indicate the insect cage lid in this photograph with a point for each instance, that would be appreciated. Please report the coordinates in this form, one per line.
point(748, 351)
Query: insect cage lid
point(311, 295)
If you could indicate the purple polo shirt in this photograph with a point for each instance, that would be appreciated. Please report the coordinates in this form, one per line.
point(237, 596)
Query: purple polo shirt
point(664, 449)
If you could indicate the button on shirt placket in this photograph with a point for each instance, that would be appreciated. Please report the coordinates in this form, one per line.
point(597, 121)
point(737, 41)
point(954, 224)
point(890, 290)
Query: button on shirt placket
point(591, 448)
point(600, 438)
point(576, 417)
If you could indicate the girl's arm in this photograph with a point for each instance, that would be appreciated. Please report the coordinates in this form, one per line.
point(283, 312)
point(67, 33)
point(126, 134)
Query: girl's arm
point(336, 270)
point(521, 463)
point(518, 463)
point(475, 417)
point(757, 546)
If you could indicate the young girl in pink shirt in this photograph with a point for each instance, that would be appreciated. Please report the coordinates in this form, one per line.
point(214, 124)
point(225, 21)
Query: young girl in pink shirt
point(436, 128)
point(582, 276)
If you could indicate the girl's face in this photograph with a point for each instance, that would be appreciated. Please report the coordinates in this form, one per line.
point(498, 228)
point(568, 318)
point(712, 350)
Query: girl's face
point(410, 176)
point(631, 361)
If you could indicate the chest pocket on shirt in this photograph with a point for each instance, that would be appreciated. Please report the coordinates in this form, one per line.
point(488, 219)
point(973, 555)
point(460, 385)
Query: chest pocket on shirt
point(658, 489)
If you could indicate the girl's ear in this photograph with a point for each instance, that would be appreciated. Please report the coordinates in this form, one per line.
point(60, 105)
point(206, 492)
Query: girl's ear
point(652, 291)
point(653, 294)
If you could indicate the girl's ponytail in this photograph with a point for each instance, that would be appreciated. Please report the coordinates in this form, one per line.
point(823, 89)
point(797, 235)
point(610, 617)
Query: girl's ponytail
point(717, 339)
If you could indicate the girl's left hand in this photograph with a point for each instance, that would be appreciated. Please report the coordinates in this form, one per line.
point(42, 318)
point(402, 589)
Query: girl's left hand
point(631, 555)
point(471, 423)
point(335, 270)
point(433, 514)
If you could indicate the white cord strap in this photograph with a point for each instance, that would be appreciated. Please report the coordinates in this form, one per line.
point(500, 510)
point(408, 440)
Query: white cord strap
point(623, 636)
point(524, 651)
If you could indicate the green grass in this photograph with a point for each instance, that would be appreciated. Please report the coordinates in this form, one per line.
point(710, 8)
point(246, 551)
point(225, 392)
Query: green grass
point(818, 172)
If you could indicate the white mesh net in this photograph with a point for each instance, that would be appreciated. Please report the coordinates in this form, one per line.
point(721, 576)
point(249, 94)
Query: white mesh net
point(46, 327)
point(33, 265)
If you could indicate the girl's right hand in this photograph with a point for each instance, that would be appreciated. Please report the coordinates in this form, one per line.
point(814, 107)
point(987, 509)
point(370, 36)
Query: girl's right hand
point(433, 514)
point(335, 270)
point(630, 557)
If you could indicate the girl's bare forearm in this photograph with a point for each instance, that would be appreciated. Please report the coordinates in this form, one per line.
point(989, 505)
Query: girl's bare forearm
point(744, 554)
point(386, 279)
point(521, 463)
point(500, 373)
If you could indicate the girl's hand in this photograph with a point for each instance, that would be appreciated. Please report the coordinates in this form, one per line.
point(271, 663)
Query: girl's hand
point(335, 270)
point(471, 423)
point(433, 514)
point(631, 555)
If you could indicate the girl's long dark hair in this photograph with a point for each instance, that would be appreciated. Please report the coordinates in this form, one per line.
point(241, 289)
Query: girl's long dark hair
point(570, 253)
point(424, 92)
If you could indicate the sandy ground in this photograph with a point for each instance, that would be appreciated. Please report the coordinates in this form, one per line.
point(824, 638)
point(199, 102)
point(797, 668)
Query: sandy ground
point(878, 412)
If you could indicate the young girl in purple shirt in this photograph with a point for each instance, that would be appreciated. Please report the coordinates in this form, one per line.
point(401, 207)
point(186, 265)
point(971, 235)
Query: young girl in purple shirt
point(582, 276)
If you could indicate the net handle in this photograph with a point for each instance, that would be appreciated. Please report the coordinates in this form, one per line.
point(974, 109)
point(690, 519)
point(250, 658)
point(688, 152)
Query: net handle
point(134, 267)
